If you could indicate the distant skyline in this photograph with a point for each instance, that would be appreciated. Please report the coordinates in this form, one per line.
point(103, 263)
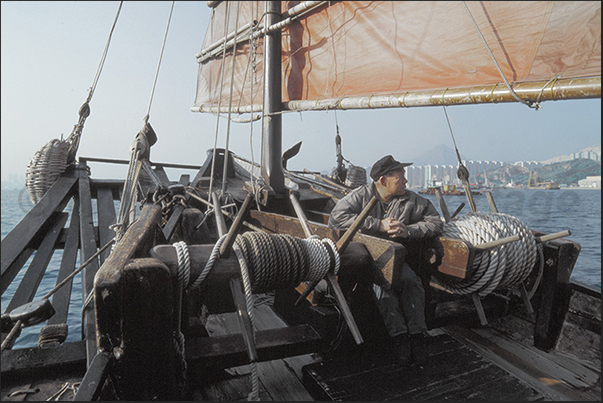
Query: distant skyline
point(51, 51)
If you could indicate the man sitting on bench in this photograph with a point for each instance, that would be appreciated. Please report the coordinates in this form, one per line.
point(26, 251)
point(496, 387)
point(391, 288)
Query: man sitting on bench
point(403, 216)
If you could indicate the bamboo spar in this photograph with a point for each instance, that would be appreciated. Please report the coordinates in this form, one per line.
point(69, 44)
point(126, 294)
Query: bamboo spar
point(563, 89)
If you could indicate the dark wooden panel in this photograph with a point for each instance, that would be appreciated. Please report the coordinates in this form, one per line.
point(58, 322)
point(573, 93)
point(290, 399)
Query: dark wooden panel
point(88, 247)
point(106, 218)
point(230, 351)
point(91, 386)
point(26, 359)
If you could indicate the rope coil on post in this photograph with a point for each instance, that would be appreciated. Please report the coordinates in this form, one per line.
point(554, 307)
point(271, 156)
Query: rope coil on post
point(267, 261)
point(277, 261)
point(501, 267)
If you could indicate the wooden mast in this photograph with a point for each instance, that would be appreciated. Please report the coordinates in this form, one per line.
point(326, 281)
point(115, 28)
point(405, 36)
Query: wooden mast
point(272, 170)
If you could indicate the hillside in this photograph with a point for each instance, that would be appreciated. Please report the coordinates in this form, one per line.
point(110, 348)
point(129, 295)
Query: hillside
point(566, 172)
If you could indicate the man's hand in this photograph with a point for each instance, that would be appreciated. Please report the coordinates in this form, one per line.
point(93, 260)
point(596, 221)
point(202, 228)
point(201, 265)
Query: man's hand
point(394, 228)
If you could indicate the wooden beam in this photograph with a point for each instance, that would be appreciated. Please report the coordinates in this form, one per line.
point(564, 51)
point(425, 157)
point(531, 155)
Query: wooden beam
point(230, 350)
point(16, 243)
point(31, 280)
point(24, 359)
point(106, 218)
point(61, 298)
point(88, 248)
point(94, 380)
point(560, 257)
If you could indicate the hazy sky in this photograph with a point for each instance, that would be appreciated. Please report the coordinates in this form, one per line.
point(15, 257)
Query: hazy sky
point(51, 52)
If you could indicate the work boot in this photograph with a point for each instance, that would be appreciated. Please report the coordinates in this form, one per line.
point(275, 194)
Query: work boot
point(418, 345)
point(402, 349)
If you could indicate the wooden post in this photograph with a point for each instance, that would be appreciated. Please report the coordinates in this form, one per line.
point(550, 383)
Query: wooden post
point(343, 242)
point(236, 227)
point(349, 234)
point(497, 242)
point(458, 210)
point(220, 223)
point(443, 206)
point(88, 248)
point(330, 277)
point(134, 304)
point(491, 202)
point(469, 196)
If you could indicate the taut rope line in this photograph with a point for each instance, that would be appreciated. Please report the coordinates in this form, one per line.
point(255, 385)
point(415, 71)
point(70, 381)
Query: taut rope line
point(167, 28)
point(51, 160)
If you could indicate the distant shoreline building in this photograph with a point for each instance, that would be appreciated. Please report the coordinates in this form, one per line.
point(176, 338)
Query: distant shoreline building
point(590, 182)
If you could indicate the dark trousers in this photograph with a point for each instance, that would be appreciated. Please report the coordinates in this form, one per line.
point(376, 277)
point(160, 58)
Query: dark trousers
point(402, 304)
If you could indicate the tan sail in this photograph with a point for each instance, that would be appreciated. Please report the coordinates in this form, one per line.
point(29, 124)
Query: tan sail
point(370, 54)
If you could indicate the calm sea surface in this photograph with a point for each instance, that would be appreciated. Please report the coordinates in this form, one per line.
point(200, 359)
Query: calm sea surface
point(544, 210)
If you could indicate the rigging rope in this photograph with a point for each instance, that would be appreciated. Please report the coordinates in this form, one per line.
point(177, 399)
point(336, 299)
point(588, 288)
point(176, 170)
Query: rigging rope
point(234, 58)
point(215, 151)
point(167, 28)
point(84, 112)
point(534, 105)
point(51, 160)
point(502, 267)
point(139, 150)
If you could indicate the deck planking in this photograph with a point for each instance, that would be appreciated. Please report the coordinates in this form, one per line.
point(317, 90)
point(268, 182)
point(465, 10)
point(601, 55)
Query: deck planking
point(558, 376)
point(280, 380)
point(453, 372)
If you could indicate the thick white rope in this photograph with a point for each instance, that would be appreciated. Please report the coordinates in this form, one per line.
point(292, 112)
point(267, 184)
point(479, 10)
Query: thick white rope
point(184, 274)
point(272, 260)
point(254, 395)
point(502, 267)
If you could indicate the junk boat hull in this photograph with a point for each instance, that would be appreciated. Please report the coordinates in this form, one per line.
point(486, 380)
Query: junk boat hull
point(189, 302)
point(305, 351)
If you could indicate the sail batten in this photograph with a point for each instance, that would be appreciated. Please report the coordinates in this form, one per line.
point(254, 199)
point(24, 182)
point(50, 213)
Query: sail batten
point(344, 52)
point(537, 92)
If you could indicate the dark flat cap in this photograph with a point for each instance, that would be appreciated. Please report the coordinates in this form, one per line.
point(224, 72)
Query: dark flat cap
point(385, 165)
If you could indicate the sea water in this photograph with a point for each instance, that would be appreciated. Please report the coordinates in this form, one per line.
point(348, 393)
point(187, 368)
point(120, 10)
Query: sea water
point(549, 211)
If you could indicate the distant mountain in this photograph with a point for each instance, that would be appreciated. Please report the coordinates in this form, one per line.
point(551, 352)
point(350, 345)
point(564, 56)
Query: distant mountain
point(439, 155)
point(570, 172)
point(444, 155)
point(565, 172)
point(567, 169)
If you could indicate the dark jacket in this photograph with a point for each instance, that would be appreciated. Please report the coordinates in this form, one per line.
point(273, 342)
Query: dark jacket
point(417, 213)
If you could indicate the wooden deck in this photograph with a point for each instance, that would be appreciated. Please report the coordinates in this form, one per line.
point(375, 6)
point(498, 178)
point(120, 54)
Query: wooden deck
point(280, 380)
point(466, 363)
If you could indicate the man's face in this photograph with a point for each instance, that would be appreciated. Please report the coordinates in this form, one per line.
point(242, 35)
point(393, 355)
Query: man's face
point(395, 183)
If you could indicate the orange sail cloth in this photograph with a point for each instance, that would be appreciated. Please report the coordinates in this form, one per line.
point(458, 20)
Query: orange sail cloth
point(368, 48)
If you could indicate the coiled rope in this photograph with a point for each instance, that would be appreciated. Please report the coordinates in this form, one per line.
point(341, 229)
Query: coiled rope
point(501, 267)
point(267, 262)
